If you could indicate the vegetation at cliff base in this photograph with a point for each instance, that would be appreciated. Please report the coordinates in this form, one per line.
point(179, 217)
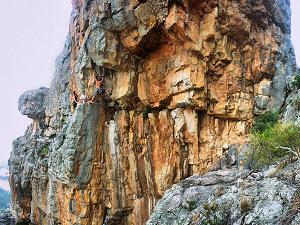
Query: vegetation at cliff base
point(4, 199)
point(274, 144)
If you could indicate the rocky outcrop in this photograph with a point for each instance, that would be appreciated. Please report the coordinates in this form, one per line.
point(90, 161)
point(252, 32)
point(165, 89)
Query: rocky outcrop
point(186, 77)
point(233, 197)
point(32, 103)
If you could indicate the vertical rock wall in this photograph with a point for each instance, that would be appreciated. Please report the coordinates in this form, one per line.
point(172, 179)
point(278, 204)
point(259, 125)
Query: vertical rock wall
point(186, 78)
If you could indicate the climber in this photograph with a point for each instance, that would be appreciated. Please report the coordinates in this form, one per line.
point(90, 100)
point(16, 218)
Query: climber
point(83, 97)
point(75, 101)
point(99, 89)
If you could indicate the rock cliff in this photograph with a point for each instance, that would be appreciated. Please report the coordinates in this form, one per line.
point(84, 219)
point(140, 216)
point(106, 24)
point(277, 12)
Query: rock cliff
point(187, 78)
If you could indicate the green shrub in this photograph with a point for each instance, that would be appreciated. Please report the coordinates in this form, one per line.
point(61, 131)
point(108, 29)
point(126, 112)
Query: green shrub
point(45, 150)
point(62, 122)
point(275, 143)
point(182, 221)
point(264, 121)
point(191, 205)
point(215, 214)
point(23, 221)
point(52, 136)
point(296, 81)
point(146, 111)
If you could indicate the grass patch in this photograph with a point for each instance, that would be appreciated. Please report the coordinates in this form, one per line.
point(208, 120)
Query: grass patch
point(245, 204)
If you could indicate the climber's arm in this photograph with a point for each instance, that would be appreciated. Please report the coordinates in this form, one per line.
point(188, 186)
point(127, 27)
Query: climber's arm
point(100, 82)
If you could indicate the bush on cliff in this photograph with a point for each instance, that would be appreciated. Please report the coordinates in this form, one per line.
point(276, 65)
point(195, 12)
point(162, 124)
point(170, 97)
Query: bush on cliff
point(216, 214)
point(264, 121)
point(45, 150)
point(146, 111)
point(24, 221)
point(275, 143)
point(296, 81)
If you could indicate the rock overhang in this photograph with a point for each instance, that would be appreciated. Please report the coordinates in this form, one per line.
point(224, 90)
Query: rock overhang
point(31, 103)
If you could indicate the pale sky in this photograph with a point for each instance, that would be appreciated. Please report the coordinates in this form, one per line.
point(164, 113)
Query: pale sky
point(32, 35)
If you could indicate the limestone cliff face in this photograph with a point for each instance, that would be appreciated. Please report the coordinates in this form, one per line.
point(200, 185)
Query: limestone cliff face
point(186, 78)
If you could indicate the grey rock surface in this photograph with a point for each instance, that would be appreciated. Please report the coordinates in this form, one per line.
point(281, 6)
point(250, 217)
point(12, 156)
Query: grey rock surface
point(64, 157)
point(239, 197)
point(292, 109)
point(28, 164)
point(285, 62)
point(57, 100)
point(280, 9)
